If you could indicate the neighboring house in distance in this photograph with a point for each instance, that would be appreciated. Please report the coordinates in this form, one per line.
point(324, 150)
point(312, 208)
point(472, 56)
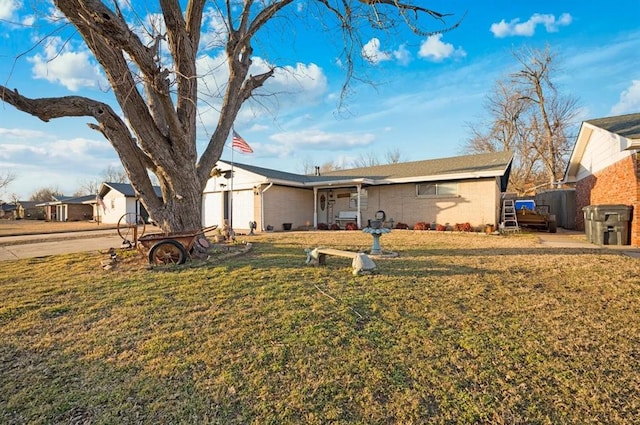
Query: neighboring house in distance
point(116, 199)
point(462, 189)
point(605, 167)
point(68, 208)
point(8, 211)
point(29, 210)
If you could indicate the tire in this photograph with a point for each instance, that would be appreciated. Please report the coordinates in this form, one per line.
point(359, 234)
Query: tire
point(167, 252)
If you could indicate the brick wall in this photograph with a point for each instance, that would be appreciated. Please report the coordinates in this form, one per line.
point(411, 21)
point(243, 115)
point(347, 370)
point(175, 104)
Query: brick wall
point(616, 184)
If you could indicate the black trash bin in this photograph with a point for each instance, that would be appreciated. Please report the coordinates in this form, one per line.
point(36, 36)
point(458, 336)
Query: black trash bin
point(611, 224)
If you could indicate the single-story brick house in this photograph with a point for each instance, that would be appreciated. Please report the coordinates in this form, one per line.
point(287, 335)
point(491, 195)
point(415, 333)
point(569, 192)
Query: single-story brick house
point(462, 189)
point(605, 167)
point(68, 208)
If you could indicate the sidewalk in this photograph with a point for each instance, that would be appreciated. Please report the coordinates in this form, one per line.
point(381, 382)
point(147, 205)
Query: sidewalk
point(573, 239)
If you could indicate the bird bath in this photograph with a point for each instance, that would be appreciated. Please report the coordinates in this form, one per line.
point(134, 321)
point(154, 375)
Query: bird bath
point(376, 233)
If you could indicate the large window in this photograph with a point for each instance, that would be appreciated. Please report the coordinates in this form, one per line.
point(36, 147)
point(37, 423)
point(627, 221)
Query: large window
point(424, 190)
point(364, 199)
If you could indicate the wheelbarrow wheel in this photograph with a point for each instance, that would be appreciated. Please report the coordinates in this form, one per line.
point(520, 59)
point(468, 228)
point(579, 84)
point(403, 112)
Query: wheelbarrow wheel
point(167, 252)
point(131, 226)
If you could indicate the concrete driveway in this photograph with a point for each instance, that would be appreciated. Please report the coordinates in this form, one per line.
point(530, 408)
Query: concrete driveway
point(42, 245)
point(572, 239)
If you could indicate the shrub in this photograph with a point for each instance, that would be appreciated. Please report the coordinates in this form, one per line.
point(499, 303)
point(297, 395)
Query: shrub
point(421, 225)
point(441, 227)
point(351, 226)
point(323, 226)
point(402, 226)
point(334, 226)
point(463, 227)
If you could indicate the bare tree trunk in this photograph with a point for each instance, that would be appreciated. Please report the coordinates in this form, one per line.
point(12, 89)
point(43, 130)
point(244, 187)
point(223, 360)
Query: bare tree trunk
point(158, 96)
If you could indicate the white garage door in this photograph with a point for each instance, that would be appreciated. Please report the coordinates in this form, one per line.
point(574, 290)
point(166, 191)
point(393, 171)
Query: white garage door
point(242, 209)
point(213, 208)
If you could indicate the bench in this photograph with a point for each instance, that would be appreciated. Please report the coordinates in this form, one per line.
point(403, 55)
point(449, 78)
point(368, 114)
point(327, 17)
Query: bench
point(345, 217)
point(361, 262)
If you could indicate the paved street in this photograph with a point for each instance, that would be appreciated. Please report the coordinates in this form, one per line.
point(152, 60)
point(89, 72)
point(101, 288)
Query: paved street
point(30, 246)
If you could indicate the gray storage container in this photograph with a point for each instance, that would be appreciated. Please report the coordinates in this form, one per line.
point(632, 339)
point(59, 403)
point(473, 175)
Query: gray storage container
point(610, 224)
point(588, 223)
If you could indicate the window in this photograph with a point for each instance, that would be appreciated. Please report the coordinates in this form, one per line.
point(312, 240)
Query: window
point(424, 190)
point(364, 199)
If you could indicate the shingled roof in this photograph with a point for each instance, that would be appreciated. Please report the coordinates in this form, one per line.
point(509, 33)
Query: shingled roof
point(274, 174)
point(495, 164)
point(485, 164)
point(623, 125)
point(125, 188)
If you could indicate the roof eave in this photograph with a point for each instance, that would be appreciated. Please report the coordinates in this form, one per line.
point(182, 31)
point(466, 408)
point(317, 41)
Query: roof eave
point(634, 145)
point(449, 176)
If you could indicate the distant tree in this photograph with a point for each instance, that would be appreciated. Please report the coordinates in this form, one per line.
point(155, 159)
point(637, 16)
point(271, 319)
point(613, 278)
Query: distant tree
point(6, 177)
point(46, 194)
point(366, 160)
point(393, 156)
point(330, 166)
point(88, 187)
point(151, 66)
point(528, 116)
point(551, 113)
point(114, 174)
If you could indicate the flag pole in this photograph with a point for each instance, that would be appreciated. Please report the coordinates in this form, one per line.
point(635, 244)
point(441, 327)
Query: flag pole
point(231, 191)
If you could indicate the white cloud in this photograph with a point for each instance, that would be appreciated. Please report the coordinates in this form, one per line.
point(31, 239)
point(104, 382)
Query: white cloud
point(8, 8)
point(11, 152)
point(527, 29)
point(215, 31)
point(290, 87)
point(321, 140)
point(21, 134)
point(402, 55)
point(629, 100)
point(41, 149)
point(372, 53)
point(435, 50)
point(73, 69)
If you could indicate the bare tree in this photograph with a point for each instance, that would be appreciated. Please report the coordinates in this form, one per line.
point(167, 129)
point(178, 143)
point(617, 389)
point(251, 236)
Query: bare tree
point(45, 194)
point(551, 113)
point(88, 187)
point(114, 174)
point(6, 178)
point(393, 156)
point(158, 93)
point(330, 166)
point(526, 115)
point(366, 160)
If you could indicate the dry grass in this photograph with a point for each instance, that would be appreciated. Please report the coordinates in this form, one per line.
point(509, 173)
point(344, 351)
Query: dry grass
point(461, 328)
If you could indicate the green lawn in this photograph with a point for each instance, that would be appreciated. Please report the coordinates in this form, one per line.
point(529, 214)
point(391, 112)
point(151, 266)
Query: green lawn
point(460, 328)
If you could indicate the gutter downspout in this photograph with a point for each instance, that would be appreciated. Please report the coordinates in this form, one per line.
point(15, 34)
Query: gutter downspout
point(262, 206)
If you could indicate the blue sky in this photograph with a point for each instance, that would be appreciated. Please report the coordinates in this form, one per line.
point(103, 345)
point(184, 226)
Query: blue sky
point(427, 92)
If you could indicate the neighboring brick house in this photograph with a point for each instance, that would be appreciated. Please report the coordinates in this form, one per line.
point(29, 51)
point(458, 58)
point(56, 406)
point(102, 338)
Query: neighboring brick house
point(605, 167)
point(68, 208)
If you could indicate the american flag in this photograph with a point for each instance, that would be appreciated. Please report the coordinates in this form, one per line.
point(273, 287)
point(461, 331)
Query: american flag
point(101, 203)
point(240, 143)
